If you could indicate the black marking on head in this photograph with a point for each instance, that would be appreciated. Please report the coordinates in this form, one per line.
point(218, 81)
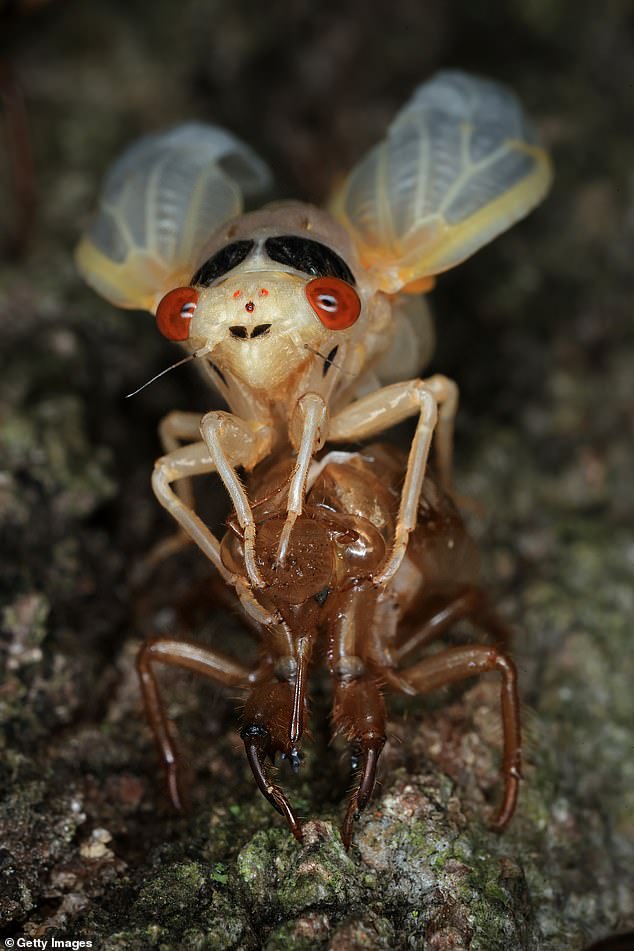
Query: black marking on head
point(328, 361)
point(221, 262)
point(239, 331)
point(219, 372)
point(308, 256)
point(260, 330)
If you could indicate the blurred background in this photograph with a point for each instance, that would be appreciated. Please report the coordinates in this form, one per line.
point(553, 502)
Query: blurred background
point(536, 329)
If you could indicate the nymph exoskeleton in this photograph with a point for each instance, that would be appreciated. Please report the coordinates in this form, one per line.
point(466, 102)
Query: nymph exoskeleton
point(328, 605)
point(300, 316)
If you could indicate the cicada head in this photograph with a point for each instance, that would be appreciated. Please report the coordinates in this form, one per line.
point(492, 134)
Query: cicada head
point(276, 290)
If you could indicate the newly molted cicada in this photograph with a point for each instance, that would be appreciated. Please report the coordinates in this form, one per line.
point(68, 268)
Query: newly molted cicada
point(309, 322)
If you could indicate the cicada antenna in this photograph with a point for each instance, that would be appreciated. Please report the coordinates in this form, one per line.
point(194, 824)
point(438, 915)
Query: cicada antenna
point(179, 363)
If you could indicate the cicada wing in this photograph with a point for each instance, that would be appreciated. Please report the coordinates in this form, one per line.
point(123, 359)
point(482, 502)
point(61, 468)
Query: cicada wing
point(460, 164)
point(160, 202)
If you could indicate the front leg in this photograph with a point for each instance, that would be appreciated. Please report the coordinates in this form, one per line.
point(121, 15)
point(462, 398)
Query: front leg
point(376, 412)
point(233, 442)
point(175, 429)
point(307, 430)
point(271, 726)
point(181, 464)
point(274, 717)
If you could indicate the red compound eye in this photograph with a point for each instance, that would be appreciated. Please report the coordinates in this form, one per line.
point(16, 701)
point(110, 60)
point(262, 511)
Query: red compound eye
point(175, 312)
point(336, 303)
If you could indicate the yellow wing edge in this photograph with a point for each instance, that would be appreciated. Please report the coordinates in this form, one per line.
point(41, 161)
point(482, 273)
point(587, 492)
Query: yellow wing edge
point(397, 267)
point(137, 283)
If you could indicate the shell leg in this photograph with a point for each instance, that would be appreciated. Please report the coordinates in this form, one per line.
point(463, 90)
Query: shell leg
point(376, 412)
point(469, 601)
point(358, 707)
point(269, 717)
point(359, 714)
point(189, 656)
point(175, 429)
point(460, 663)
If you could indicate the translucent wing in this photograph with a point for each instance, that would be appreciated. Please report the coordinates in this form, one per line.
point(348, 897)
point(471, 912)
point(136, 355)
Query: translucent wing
point(460, 164)
point(160, 202)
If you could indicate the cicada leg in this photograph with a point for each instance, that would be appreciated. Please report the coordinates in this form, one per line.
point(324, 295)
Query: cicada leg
point(467, 602)
point(175, 429)
point(233, 442)
point(359, 714)
point(447, 395)
point(183, 463)
point(212, 664)
point(307, 429)
point(460, 663)
point(378, 411)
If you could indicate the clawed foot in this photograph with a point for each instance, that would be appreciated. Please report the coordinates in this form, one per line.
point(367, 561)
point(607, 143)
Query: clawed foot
point(175, 788)
point(257, 745)
point(509, 801)
point(370, 752)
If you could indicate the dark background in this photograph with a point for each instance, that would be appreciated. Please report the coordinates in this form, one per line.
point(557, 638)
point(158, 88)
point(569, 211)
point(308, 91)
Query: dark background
point(537, 331)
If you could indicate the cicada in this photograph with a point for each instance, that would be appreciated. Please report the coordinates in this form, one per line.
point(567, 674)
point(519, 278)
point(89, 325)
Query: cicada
point(329, 608)
point(310, 322)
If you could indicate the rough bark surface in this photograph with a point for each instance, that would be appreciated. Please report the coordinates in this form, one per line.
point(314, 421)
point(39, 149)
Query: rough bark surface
point(536, 329)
